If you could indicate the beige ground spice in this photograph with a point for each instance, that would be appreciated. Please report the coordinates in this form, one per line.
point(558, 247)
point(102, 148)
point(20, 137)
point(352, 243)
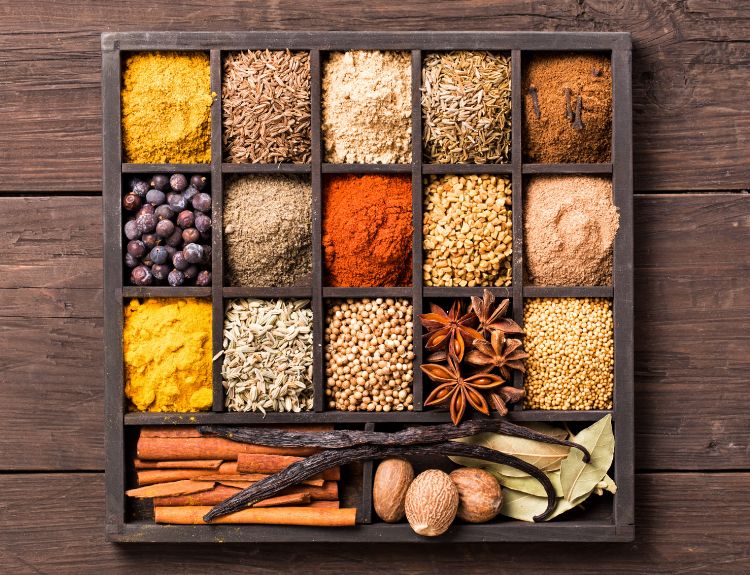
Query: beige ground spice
point(267, 231)
point(569, 227)
point(166, 108)
point(367, 107)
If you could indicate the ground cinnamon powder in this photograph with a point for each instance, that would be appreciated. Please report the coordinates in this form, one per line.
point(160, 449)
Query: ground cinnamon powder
point(367, 230)
point(558, 128)
point(569, 227)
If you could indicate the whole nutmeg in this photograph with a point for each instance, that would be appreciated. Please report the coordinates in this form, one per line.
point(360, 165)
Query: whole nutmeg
point(392, 480)
point(431, 503)
point(479, 494)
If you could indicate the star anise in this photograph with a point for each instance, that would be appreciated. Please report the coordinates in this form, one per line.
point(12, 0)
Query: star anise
point(456, 390)
point(451, 330)
point(493, 320)
point(506, 394)
point(503, 354)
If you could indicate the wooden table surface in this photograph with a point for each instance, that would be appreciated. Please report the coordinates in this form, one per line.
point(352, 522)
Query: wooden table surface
point(692, 263)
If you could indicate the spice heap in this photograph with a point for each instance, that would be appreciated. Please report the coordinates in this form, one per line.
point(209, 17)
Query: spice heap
point(567, 115)
point(466, 108)
point(167, 354)
point(369, 354)
point(268, 231)
point(185, 473)
point(469, 354)
point(571, 353)
point(266, 107)
point(367, 107)
point(570, 224)
point(166, 108)
point(268, 355)
point(367, 230)
point(169, 231)
point(468, 231)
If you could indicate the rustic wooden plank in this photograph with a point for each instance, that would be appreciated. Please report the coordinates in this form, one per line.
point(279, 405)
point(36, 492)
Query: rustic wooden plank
point(54, 523)
point(692, 331)
point(51, 242)
point(51, 398)
point(690, 119)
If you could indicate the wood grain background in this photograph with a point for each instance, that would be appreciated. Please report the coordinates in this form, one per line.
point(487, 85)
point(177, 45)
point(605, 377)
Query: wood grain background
point(692, 135)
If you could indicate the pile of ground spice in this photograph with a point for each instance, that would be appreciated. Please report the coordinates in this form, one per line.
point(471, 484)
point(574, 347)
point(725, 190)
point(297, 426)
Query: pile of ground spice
point(166, 108)
point(570, 224)
point(167, 354)
point(367, 107)
point(268, 231)
point(567, 110)
point(367, 230)
point(466, 108)
point(266, 107)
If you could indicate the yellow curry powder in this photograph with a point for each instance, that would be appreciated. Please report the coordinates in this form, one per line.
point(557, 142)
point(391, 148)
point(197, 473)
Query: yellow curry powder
point(167, 352)
point(166, 108)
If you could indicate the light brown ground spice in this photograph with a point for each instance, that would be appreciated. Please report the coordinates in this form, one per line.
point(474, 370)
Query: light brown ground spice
point(166, 108)
point(571, 361)
point(570, 224)
point(268, 231)
point(552, 86)
point(366, 116)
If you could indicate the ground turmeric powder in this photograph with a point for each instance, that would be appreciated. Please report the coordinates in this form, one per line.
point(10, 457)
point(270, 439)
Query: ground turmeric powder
point(167, 354)
point(166, 108)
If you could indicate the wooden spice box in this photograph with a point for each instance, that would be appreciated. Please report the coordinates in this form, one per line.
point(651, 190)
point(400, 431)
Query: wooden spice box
point(609, 519)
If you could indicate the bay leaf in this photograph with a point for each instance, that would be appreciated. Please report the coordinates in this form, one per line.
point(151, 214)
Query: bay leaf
point(525, 507)
point(579, 478)
point(545, 456)
point(547, 429)
point(528, 484)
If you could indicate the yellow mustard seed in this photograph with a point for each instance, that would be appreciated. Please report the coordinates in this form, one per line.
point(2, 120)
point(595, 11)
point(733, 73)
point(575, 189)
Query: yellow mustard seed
point(167, 354)
point(570, 342)
point(166, 108)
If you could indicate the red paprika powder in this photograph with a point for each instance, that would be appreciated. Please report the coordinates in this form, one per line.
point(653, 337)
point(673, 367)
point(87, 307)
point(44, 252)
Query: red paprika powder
point(367, 230)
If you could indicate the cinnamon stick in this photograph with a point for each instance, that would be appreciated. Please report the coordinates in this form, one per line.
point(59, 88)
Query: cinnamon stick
point(210, 464)
point(229, 467)
point(211, 497)
point(177, 448)
point(207, 497)
point(329, 491)
point(172, 489)
point(249, 478)
point(263, 463)
point(310, 516)
point(325, 504)
point(151, 476)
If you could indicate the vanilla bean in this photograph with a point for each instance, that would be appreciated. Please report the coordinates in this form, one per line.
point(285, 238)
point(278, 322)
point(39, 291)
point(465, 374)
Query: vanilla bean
point(319, 462)
point(342, 438)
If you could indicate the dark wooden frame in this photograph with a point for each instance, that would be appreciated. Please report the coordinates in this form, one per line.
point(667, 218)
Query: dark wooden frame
point(617, 527)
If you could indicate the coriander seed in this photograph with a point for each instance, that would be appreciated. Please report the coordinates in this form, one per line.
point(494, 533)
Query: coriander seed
point(369, 354)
